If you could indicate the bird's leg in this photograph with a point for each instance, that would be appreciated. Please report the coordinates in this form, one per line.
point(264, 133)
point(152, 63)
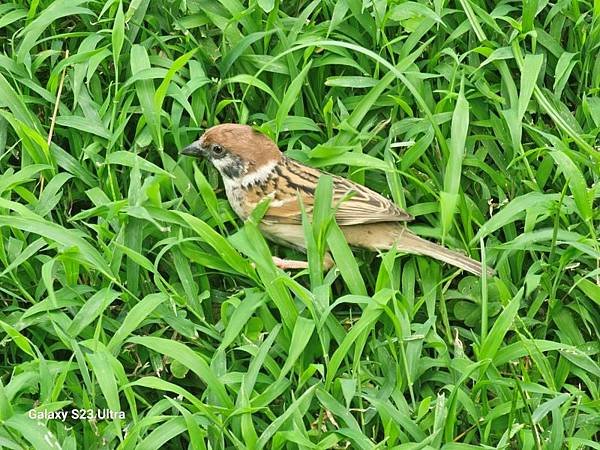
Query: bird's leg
point(287, 264)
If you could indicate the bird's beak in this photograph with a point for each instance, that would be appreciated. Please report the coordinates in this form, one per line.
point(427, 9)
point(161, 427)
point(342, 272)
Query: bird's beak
point(194, 149)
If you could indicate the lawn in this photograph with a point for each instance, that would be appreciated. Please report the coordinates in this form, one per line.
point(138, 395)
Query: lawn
point(138, 312)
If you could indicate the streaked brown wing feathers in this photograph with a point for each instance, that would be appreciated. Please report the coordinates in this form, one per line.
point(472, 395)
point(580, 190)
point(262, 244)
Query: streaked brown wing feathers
point(361, 205)
point(364, 205)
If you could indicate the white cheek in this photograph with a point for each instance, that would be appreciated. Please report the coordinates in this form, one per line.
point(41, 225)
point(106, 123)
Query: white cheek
point(221, 163)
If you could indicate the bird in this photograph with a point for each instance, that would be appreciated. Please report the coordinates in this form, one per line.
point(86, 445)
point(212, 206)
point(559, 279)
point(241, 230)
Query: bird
point(253, 169)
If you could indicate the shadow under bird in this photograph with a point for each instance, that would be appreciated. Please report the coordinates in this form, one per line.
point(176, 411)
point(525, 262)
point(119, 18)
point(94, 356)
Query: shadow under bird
point(253, 168)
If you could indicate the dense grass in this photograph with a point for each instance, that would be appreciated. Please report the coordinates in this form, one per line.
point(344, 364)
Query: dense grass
point(126, 283)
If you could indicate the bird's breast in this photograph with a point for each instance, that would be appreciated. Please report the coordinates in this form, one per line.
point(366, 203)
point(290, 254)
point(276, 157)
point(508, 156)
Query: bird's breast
point(244, 198)
point(236, 196)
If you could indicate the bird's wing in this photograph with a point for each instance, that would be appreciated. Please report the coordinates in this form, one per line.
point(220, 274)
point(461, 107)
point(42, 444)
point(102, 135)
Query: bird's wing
point(355, 204)
point(362, 205)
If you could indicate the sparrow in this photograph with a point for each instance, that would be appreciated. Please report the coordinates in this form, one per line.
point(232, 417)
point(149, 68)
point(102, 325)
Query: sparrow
point(253, 169)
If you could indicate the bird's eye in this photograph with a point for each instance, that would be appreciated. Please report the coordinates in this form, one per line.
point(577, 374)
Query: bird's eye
point(217, 149)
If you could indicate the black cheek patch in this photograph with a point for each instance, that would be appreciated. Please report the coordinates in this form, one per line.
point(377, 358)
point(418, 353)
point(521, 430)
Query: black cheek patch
point(234, 169)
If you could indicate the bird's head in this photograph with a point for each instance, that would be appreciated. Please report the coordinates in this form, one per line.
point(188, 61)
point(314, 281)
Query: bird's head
point(235, 150)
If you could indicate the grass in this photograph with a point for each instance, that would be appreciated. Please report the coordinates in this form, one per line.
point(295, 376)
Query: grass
point(127, 284)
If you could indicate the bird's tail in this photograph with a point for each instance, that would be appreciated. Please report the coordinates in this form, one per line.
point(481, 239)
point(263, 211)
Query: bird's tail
point(411, 243)
point(406, 241)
